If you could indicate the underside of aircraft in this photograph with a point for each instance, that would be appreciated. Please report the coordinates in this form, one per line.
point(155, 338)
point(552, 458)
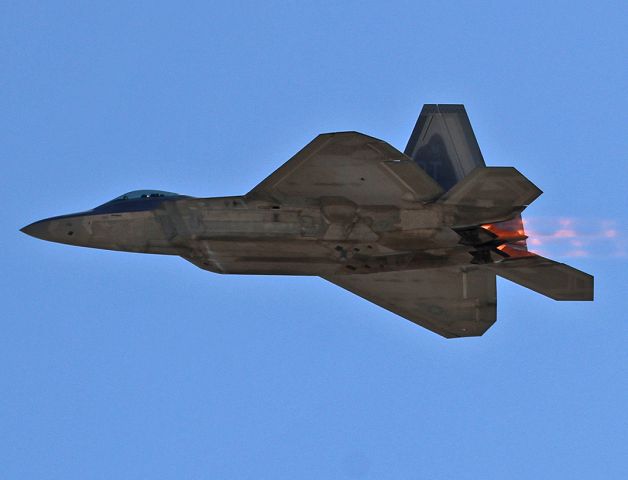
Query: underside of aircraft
point(421, 233)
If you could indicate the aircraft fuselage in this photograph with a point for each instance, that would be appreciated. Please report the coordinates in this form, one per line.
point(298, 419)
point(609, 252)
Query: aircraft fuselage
point(243, 235)
point(421, 233)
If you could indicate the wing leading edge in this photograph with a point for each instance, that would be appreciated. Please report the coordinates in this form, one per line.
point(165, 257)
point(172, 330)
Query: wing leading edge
point(362, 169)
point(452, 301)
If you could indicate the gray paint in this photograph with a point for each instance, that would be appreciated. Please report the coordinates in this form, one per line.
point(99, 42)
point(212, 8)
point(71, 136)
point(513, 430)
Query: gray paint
point(363, 215)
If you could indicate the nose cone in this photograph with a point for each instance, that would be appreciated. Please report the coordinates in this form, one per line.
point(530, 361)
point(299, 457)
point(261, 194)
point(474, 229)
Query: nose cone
point(63, 229)
point(40, 229)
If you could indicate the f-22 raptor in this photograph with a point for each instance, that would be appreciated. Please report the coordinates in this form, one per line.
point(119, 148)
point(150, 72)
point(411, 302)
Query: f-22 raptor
point(421, 233)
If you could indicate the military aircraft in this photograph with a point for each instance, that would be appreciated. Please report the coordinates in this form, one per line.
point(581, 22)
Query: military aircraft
point(421, 233)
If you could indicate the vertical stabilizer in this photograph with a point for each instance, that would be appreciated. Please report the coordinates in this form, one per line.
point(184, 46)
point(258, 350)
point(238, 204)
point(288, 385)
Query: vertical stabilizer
point(444, 145)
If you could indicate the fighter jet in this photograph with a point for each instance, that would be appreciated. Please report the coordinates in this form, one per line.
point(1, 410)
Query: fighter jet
point(421, 233)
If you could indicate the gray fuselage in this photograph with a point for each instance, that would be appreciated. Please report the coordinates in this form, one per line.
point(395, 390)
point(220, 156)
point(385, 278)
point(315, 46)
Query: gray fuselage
point(255, 236)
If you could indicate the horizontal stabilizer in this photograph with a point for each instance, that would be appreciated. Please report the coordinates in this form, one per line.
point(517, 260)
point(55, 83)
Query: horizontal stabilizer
point(492, 187)
point(547, 277)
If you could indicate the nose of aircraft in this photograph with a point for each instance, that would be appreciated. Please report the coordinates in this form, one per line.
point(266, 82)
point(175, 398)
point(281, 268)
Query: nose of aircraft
point(64, 229)
point(39, 229)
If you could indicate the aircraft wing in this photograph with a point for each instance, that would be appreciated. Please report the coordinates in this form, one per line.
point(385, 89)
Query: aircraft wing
point(451, 301)
point(360, 168)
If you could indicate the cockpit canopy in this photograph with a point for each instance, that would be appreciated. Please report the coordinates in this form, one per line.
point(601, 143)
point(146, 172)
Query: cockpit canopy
point(136, 200)
point(140, 194)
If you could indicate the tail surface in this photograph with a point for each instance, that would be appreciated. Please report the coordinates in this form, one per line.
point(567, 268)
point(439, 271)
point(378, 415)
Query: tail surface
point(547, 277)
point(443, 144)
point(489, 194)
point(502, 247)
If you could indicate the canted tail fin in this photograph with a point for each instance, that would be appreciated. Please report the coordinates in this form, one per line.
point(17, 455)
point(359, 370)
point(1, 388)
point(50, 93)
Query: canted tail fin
point(443, 144)
point(486, 204)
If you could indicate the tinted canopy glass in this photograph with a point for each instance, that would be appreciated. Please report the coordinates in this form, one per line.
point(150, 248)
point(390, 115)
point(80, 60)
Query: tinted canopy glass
point(139, 194)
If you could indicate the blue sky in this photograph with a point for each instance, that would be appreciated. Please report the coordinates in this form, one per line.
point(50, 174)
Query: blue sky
point(131, 366)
